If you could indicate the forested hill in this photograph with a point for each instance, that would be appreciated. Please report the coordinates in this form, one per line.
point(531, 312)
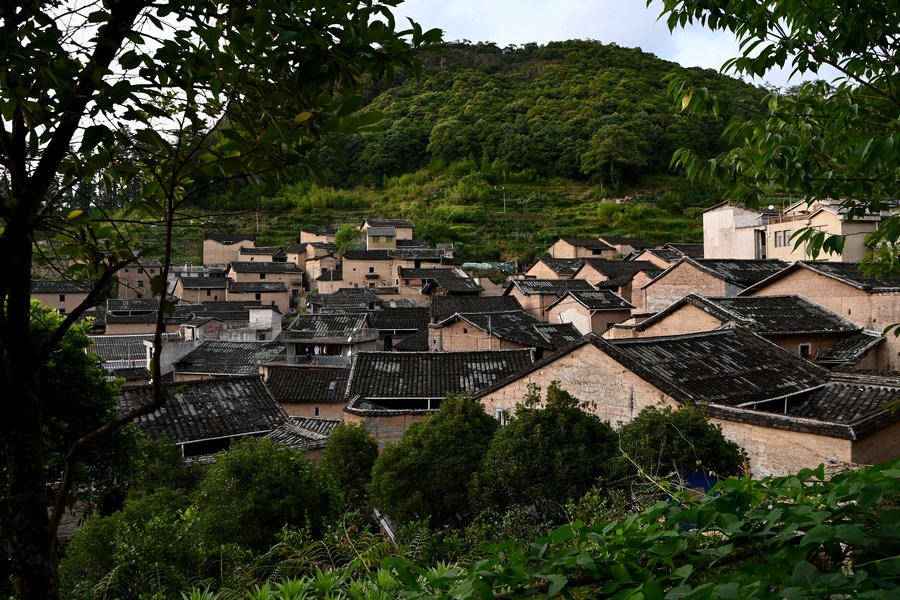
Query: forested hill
point(580, 110)
point(501, 151)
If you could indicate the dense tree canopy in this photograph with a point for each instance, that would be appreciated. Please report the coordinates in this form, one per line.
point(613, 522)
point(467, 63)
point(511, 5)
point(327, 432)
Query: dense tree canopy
point(549, 454)
point(349, 456)
point(820, 139)
point(427, 474)
point(164, 98)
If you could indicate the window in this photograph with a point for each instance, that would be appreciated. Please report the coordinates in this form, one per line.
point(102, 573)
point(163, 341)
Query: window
point(140, 270)
point(62, 311)
point(778, 240)
point(62, 297)
point(262, 276)
point(371, 269)
point(209, 292)
point(805, 350)
point(782, 238)
point(152, 271)
point(126, 269)
point(502, 417)
point(259, 296)
point(140, 283)
point(317, 411)
point(376, 239)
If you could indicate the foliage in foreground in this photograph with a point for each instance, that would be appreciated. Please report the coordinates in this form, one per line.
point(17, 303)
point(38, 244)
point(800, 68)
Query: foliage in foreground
point(794, 537)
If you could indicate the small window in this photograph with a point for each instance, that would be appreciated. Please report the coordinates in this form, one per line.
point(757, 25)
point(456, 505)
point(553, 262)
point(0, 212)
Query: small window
point(152, 271)
point(126, 269)
point(140, 283)
point(502, 417)
point(371, 269)
point(805, 350)
point(317, 411)
point(259, 296)
point(140, 270)
point(62, 297)
point(262, 276)
point(209, 292)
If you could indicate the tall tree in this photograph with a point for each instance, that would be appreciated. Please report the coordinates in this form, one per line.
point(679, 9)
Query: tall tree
point(426, 475)
point(821, 139)
point(167, 94)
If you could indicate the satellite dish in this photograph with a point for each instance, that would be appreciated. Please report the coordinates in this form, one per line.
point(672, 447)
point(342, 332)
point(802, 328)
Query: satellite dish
point(771, 207)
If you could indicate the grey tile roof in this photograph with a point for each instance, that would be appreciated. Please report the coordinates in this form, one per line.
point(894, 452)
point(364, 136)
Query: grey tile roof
point(849, 397)
point(366, 255)
point(597, 300)
point(446, 306)
point(215, 357)
point(303, 433)
point(413, 244)
point(43, 286)
point(565, 267)
point(691, 250)
point(394, 319)
point(262, 250)
point(417, 342)
point(558, 335)
point(265, 267)
point(343, 302)
point(588, 243)
point(621, 272)
point(411, 273)
point(296, 248)
point(847, 273)
point(765, 315)
point(521, 328)
point(133, 304)
point(626, 241)
point(402, 223)
point(203, 283)
point(740, 272)
point(260, 287)
point(728, 366)
point(330, 246)
point(328, 325)
point(381, 231)
point(393, 377)
point(124, 347)
point(850, 349)
point(230, 238)
point(417, 253)
point(452, 282)
point(209, 409)
point(670, 255)
point(553, 287)
point(319, 230)
point(308, 384)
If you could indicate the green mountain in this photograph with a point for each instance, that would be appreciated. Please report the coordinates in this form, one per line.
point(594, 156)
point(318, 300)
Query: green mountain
point(502, 150)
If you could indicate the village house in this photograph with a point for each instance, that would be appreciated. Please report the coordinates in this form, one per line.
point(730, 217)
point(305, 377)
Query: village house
point(706, 277)
point(267, 293)
point(380, 268)
point(499, 331)
point(580, 248)
point(734, 231)
point(262, 254)
point(443, 307)
point(63, 295)
point(196, 290)
point(361, 300)
point(827, 216)
point(215, 358)
point(223, 248)
point(870, 302)
point(205, 417)
point(792, 322)
point(328, 339)
point(286, 277)
point(668, 254)
point(536, 295)
point(625, 245)
point(402, 229)
point(388, 391)
point(134, 280)
point(590, 311)
point(308, 391)
point(396, 324)
point(323, 268)
point(784, 411)
point(554, 268)
point(309, 235)
point(624, 277)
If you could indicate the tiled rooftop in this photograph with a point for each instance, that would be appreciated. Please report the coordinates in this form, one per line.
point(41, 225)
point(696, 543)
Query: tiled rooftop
point(564, 267)
point(850, 349)
point(394, 319)
point(554, 287)
point(230, 238)
point(740, 272)
point(597, 300)
point(203, 283)
point(446, 306)
point(42, 286)
point(202, 410)
point(258, 287)
point(308, 384)
point(402, 223)
point(216, 357)
point(398, 376)
point(265, 267)
point(766, 315)
point(328, 324)
point(587, 243)
point(620, 272)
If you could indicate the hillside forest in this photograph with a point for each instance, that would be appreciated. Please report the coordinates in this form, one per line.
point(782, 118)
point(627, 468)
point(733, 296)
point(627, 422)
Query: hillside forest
point(500, 151)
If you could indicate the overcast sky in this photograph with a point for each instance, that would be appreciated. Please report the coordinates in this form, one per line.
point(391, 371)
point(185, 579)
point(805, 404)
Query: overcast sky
point(626, 22)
